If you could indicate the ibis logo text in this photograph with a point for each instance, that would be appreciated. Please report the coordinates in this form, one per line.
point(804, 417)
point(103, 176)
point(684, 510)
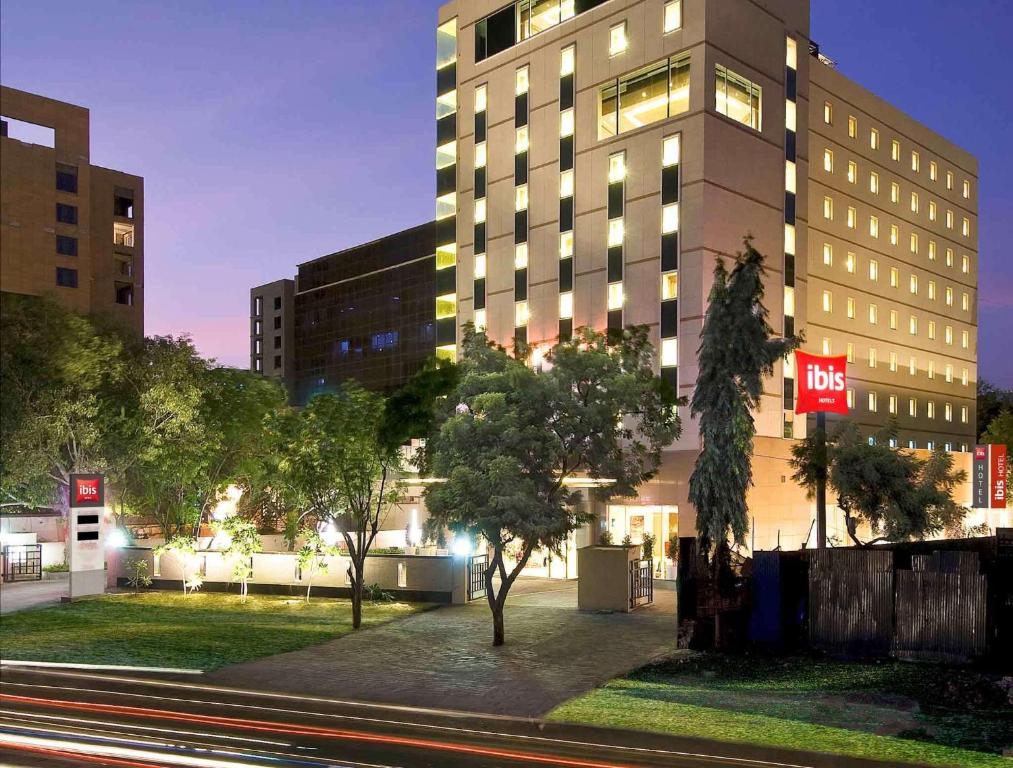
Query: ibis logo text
point(87, 491)
point(822, 383)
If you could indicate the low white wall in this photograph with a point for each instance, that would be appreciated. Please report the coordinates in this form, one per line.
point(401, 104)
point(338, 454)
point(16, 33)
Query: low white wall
point(428, 578)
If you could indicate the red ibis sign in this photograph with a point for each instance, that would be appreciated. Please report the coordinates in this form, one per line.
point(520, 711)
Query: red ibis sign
point(821, 383)
point(87, 491)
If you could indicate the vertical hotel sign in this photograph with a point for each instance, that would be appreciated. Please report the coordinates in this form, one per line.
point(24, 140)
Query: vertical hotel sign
point(87, 557)
point(989, 479)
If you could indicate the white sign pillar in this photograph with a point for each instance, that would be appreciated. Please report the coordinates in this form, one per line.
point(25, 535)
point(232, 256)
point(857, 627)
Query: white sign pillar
point(86, 545)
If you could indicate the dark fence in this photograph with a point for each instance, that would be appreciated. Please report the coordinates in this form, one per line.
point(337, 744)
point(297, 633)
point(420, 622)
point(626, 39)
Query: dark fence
point(851, 601)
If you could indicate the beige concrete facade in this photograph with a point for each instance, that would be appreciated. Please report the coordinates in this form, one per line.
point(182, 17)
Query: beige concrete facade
point(272, 330)
point(737, 175)
point(108, 208)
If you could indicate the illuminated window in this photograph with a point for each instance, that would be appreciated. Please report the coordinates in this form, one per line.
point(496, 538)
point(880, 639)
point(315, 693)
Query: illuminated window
point(912, 407)
point(447, 352)
point(933, 170)
point(615, 234)
point(828, 255)
point(948, 373)
point(967, 189)
point(894, 234)
point(521, 141)
point(446, 104)
point(446, 155)
point(669, 353)
point(521, 314)
point(617, 167)
point(873, 138)
point(916, 162)
point(521, 81)
point(480, 320)
point(852, 172)
point(913, 325)
point(850, 262)
point(932, 210)
point(669, 286)
point(828, 208)
point(873, 223)
point(873, 402)
point(446, 205)
point(480, 98)
point(566, 306)
point(931, 410)
point(446, 44)
point(893, 404)
point(480, 210)
point(850, 352)
point(948, 295)
point(480, 155)
point(566, 184)
point(789, 301)
point(893, 319)
point(932, 289)
point(932, 330)
point(873, 269)
point(914, 284)
point(931, 370)
point(949, 219)
point(828, 113)
point(826, 346)
point(790, 115)
point(615, 296)
point(446, 255)
point(737, 98)
point(645, 96)
point(521, 198)
point(965, 227)
point(567, 61)
point(617, 39)
point(828, 301)
point(894, 277)
point(873, 314)
point(566, 245)
point(446, 306)
point(914, 242)
point(963, 414)
point(932, 250)
point(566, 123)
point(789, 238)
point(670, 151)
point(913, 366)
point(851, 398)
point(852, 126)
point(949, 179)
point(851, 308)
point(673, 17)
point(480, 266)
point(790, 177)
point(965, 302)
point(895, 150)
point(894, 192)
point(521, 256)
point(914, 202)
point(965, 339)
point(670, 218)
point(828, 160)
point(949, 257)
point(965, 263)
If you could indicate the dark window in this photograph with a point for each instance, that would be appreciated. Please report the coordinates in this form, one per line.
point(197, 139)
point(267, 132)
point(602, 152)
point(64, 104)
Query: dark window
point(565, 330)
point(123, 205)
point(446, 79)
point(615, 263)
point(521, 285)
point(566, 214)
point(277, 323)
point(480, 293)
point(495, 33)
point(277, 361)
point(66, 245)
point(277, 303)
point(615, 200)
point(566, 153)
point(125, 294)
point(66, 178)
point(521, 109)
point(670, 185)
point(521, 168)
point(66, 214)
point(277, 342)
point(66, 278)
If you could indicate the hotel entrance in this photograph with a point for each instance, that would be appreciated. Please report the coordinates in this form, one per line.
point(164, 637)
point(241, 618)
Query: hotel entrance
point(634, 520)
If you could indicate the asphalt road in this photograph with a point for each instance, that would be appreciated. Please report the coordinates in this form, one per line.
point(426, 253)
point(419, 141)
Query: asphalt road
point(74, 718)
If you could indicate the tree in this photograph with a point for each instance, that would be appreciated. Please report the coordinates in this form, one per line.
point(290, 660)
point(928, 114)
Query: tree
point(509, 440)
point(1000, 432)
point(992, 401)
point(243, 543)
point(897, 495)
point(737, 350)
point(137, 574)
point(183, 548)
point(337, 460)
point(311, 557)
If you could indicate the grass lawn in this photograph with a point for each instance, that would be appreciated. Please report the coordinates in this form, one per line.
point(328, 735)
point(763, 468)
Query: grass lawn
point(166, 629)
point(888, 711)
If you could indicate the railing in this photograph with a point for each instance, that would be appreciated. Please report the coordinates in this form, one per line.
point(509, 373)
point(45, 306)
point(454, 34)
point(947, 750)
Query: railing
point(22, 562)
point(477, 566)
point(641, 582)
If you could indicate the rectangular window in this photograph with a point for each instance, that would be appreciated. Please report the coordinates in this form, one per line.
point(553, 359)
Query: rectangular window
point(932, 330)
point(916, 162)
point(914, 202)
point(480, 211)
point(566, 123)
point(645, 96)
point(828, 255)
point(967, 189)
point(66, 214)
point(873, 138)
point(914, 242)
point(566, 184)
point(873, 223)
point(669, 218)
point(566, 306)
point(965, 339)
point(828, 301)
point(567, 61)
point(873, 270)
point(932, 210)
point(851, 308)
point(737, 98)
point(66, 278)
point(521, 314)
point(852, 172)
point(965, 263)
point(894, 277)
point(828, 113)
point(965, 227)
point(615, 233)
point(521, 256)
point(850, 352)
point(480, 266)
point(446, 306)
point(617, 38)
point(521, 81)
point(949, 179)
point(521, 140)
point(893, 404)
point(934, 170)
point(852, 126)
point(521, 198)
point(965, 301)
point(931, 411)
point(789, 239)
point(66, 178)
point(446, 44)
point(894, 234)
point(828, 160)
point(565, 245)
point(873, 402)
point(894, 192)
point(828, 208)
point(913, 325)
point(849, 262)
point(66, 246)
point(790, 177)
point(893, 319)
point(615, 296)
point(673, 16)
point(914, 284)
point(895, 150)
point(873, 314)
point(948, 374)
point(669, 353)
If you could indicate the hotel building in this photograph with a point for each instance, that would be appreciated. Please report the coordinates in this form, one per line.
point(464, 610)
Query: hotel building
point(593, 159)
point(68, 229)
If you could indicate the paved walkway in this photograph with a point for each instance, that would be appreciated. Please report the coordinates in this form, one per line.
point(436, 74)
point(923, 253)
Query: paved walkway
point(19, 595)
point(444, 658)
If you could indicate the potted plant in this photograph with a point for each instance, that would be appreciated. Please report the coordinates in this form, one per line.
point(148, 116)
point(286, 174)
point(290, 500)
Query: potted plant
point(673, 557)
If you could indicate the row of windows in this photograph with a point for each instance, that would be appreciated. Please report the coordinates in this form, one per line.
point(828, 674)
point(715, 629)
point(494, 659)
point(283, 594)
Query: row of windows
point(874, 228)
point(896, 152)
point(827, 305)
point(894, 363)
point(914, 411)
point(895, 193)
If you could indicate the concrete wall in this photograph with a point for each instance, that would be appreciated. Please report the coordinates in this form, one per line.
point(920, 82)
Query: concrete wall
point(603, 583)
point(407, 577)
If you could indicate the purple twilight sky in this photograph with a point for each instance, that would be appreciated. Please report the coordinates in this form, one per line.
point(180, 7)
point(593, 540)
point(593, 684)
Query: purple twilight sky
point(272, 132)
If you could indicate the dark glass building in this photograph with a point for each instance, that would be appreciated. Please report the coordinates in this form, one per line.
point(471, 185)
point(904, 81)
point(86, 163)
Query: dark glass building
point(366, 313)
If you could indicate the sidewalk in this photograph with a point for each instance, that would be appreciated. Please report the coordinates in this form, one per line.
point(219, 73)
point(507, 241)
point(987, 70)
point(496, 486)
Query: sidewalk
point(19, 595)
point(445, 659)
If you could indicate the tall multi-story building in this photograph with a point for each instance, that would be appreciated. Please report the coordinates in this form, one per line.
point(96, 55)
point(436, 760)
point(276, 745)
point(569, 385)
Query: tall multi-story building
point(68, 229)
point(365, 313)
point(595, 157)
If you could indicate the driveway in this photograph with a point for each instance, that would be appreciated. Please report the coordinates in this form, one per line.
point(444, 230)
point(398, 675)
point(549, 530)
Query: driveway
point(444, 658)
point(19, 595)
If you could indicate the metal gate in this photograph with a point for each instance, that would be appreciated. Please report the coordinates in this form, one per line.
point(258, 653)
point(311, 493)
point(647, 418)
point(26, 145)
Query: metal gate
point(641, 582)
point(477, 565)
point(22, 562)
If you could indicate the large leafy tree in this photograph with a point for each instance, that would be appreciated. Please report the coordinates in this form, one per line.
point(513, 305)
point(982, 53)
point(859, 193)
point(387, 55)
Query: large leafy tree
point(58, 376)
point(509, 439)
point(992, 401)
point(737, 350)
point(337, 460)
point(890, 491)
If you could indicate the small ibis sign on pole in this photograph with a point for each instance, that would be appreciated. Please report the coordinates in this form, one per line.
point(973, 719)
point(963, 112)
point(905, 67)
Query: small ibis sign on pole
point(86, 535)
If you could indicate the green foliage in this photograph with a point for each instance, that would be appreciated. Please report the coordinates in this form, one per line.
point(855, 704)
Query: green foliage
point(1000, 432)
point(343, 468)
point(673, 548)
point(992, 401)
point(627, 541)
point(605, 538)
point(56, 568)
point(647, 546)
point(508, 439)
point(137, 573)
point(243, 543)
point(899, 496)
point(737, 350)
point(183, 548)
point(376, 594)
point(409, 412)
point(312, 557)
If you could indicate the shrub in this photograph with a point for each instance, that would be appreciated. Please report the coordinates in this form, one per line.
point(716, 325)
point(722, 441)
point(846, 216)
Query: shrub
point(137, 574)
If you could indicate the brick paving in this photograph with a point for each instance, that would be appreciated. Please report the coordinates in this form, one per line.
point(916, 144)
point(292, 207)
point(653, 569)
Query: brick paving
point(444, 658)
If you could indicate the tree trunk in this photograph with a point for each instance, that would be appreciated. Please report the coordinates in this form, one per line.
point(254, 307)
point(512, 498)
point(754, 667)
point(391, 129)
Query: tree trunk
point(356, 570)
point(498, 632)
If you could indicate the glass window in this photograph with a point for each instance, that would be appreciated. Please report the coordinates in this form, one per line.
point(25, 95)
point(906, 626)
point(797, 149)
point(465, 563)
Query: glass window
point(828, 113)
point(566, 184)
point(643, 97)
point(873, 270)
point(789, 238)
point(567, 62)
point(521, 256)
point(673, 16)
point(446, 306)
point(566, 306)
point(446, 155)
point(874, 183)
point(828, 208)
point(536, 16)
point(615, 296)
point(670, 151)
point(828, 255)
point(617, 167)
point(849, 262)
point(480, 266)
point(828, 301)
point(521, 142)
point(791, 54)
point(934, 170)
point(873, 138)
point(967, 189)
point(480, 98)
point(949, 179)
point(446, 104)
point(790, 177)
point(669, 353)
point(566, 123)
point(617, 38)
point(480, 210)
point(916, 162)
point(66, 278)
point(480, 155)
point(828, 160)
point(852, 172)
point(446, 44)
point(521, 198)
point(894, 234)
point(446, 205)
point(852, 126)
point(895, 150)
point(670, 218)
point(669, 286)
point(566, 244)
point(521, 314)
point(615, 233)
point(737, 98)
point(790, 115)
point(446, 255)
point(521, 82)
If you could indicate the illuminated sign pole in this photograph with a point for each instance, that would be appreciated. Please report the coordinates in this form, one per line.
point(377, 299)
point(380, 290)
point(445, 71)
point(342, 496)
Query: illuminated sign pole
point(990, 470)
point(821, 388)
point(86, 553)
